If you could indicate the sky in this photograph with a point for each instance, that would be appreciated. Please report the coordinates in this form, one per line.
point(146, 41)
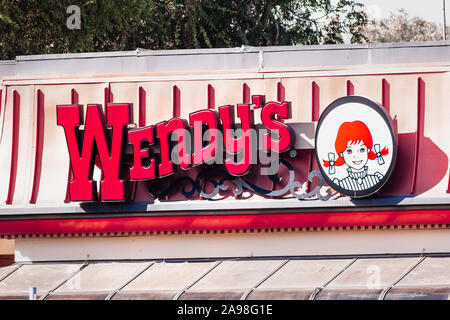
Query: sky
point(430, 10)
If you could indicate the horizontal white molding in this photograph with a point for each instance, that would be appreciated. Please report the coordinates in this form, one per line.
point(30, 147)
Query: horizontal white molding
point(273, 73)
point(230, 245)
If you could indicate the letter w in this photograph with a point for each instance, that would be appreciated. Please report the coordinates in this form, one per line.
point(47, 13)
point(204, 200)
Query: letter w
point(95, 140)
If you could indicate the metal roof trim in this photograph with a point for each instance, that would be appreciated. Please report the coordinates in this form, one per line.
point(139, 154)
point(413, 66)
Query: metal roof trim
point(245, 57)
point(234, 50)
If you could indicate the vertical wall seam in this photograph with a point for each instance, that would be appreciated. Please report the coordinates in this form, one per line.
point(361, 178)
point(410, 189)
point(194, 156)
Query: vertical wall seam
point(386, 94)
point(315, 101)
point(350, 90)
point(109, 98)
point(211, 96)
point(3, 102)
point(142, 101)
point(40, 123)
point(15, 147)
point(280, 91)
point(420, 128)
point(245, 93)
point(176, 102)
point(74, 97)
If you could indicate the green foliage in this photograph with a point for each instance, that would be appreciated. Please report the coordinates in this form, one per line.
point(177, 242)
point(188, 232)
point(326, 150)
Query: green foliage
point(39, 27)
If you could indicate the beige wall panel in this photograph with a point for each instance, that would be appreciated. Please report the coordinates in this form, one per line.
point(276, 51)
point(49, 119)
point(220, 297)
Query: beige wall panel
point(159, 101)
point(228, 92)
point(298, 92)
point(403, 101)
point(193, 96)
point(24, 176)
point(127, 93)
point(55, 165)
point(25, 164)
point(435, 143)
point(267, 87)
point(331, 88)
point(5, 142)
point(91, 93)
point(159, 98)
point(367, 86)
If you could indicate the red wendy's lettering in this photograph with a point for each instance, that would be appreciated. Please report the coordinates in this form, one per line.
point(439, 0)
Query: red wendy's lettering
point(285, 134)
point(139, 137)
point(96, 139)
point(165, 131)
point(158, 150)
point(244, 144)
point(202, 153)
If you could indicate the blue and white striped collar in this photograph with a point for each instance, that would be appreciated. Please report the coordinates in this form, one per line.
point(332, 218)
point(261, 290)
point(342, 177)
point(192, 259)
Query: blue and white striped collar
point(356, 175)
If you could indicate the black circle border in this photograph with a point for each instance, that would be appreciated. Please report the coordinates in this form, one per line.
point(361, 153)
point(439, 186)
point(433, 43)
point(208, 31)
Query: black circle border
point(383, 113)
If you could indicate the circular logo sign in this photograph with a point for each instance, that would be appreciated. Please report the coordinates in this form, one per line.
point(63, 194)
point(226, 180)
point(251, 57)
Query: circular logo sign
point(356, 146)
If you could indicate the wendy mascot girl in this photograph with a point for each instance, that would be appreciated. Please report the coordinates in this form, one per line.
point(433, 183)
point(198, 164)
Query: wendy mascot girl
point(354, 147)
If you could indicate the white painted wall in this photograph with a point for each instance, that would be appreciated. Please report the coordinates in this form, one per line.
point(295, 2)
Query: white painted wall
point(304, 243)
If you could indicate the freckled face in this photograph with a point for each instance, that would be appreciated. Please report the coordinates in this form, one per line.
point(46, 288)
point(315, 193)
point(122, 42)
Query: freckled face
point(356, 155)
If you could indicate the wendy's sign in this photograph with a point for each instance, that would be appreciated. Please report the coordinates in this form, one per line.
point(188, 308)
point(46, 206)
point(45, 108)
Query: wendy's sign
point(356, 146)
point(158, 150)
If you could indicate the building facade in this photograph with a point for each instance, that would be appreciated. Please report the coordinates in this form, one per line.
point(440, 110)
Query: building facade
point(94, 190)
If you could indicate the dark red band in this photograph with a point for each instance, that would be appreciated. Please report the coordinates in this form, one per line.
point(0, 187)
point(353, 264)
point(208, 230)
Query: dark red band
point(224, 222)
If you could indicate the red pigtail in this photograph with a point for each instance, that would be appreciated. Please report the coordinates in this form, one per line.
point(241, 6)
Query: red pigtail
point(373, 155)
point(339, 162)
